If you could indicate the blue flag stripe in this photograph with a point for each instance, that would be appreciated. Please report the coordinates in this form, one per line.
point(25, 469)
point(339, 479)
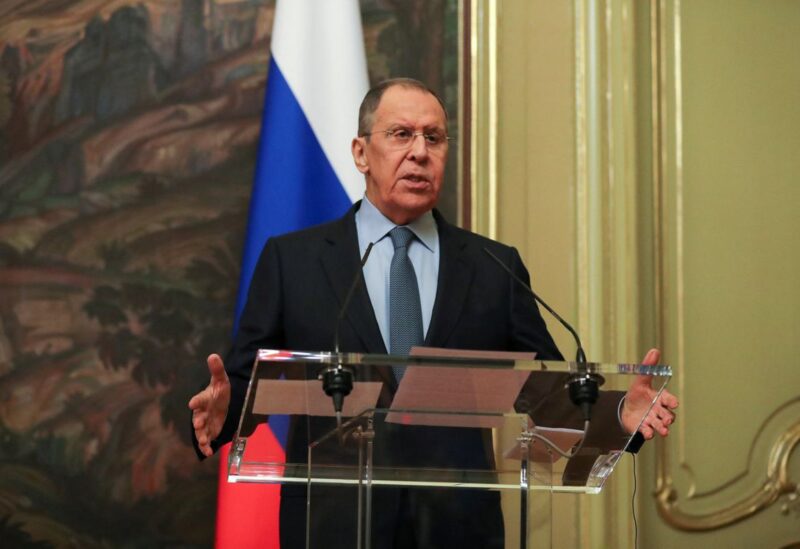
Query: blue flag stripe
point(294, 186)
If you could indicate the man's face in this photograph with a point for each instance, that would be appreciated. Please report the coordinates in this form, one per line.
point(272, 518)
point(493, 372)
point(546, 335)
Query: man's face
point(403, 182)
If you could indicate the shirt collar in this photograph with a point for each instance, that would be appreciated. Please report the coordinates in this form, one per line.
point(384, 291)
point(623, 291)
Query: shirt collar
point(377, 226)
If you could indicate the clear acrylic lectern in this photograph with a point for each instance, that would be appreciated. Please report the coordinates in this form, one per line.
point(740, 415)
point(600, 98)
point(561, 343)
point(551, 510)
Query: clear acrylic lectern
point(456, 430)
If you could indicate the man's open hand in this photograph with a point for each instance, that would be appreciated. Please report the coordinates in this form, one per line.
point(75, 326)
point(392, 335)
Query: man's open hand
point(210, 406)
point(638, 398)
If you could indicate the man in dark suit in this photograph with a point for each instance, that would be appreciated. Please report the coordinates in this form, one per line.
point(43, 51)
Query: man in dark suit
point(464, 300)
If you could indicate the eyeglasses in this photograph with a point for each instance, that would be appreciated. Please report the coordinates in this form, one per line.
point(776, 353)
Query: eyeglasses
point(402, 138)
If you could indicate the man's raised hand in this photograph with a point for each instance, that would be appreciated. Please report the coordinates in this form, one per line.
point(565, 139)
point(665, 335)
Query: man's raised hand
point(210, 406)
point(638, 398)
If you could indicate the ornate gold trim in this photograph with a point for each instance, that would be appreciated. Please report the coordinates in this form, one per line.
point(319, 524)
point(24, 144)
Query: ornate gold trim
point(660, 18)
point(667, 166)
point(474, 39)
point(463, 151)
point(776, 485)
point(484, 112)
point(581, 167)
point(492, 122)
point(680, 285)
point(606, 253)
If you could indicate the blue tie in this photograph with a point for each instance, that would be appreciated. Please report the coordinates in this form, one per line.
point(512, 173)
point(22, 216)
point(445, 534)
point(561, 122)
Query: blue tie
point(405, 311)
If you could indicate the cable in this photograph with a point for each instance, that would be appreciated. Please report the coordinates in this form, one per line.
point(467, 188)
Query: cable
point(633, 507)
point(552, 445)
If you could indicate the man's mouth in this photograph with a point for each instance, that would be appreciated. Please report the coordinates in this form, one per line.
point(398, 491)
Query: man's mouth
point(415, 178)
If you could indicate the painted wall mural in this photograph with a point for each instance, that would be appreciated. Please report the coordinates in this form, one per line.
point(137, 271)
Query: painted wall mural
point(128, 132)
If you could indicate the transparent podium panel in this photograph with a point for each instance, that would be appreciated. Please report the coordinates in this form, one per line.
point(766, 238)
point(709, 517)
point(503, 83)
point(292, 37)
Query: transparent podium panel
point(437, 449)
point(401, 464)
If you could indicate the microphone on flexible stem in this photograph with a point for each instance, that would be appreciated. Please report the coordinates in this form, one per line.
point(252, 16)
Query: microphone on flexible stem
point(583, 386)
point(337, 381)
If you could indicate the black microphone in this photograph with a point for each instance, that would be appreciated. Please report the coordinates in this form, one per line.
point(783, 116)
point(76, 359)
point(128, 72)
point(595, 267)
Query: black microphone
point(337, 381)
point(583, 387)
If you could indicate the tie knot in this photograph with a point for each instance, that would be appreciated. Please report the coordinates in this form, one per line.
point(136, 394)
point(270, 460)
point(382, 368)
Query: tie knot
point(401, 236)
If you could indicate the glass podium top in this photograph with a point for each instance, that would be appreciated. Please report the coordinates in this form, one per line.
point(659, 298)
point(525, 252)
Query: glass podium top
point(458, 419)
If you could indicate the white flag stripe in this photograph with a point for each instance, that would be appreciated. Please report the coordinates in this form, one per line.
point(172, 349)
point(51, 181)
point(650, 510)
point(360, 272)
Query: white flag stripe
point(330, 49)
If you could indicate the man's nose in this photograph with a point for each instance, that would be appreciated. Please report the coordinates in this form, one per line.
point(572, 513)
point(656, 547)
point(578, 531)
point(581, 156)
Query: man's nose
point(418, 148)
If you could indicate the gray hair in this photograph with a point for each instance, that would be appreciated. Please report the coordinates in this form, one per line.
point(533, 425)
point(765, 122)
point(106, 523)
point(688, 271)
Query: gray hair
point(369, 104)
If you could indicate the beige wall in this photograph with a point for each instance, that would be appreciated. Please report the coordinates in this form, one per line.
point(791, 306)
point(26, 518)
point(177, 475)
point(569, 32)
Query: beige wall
point(643, 158)
point(730, 188)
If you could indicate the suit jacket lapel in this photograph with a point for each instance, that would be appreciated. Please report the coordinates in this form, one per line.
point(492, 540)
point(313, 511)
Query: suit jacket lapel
point(341, 263)
point(455, 278)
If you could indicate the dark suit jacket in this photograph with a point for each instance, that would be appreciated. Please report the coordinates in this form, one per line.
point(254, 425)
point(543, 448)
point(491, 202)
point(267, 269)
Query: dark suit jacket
point(299, 287)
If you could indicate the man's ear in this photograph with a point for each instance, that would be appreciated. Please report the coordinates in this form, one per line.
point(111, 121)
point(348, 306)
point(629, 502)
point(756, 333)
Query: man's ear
point(358, 148)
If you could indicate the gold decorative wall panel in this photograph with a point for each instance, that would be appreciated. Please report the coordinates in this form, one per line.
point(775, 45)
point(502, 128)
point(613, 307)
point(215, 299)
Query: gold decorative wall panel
point(724, 127)
point(645, 165)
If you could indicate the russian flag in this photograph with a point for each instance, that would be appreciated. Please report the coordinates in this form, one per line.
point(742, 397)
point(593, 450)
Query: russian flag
point(304, 176)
